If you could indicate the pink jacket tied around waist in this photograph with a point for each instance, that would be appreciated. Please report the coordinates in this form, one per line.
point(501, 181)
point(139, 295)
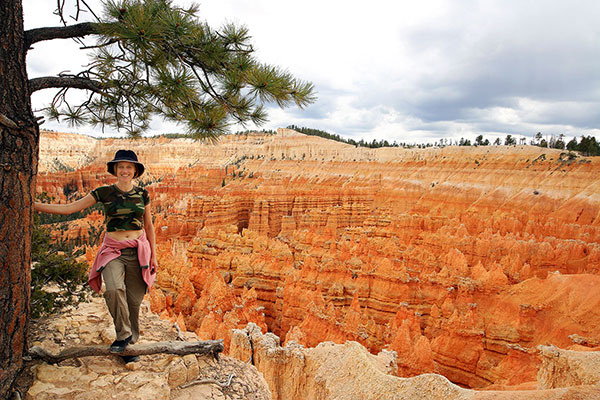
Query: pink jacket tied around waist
point(111, 249)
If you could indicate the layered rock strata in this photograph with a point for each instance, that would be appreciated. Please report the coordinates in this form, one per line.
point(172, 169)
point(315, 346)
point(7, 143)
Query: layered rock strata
point(461, 260)
point(567, 368)
point(348, 371)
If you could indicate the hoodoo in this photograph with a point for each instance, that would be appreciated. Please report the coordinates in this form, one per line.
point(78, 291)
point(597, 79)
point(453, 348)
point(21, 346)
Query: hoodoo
point(481, 264)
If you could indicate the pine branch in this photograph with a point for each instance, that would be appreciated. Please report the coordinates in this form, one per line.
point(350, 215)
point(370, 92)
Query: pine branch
point(60, 32)
point(154, 58)
point(75, 82)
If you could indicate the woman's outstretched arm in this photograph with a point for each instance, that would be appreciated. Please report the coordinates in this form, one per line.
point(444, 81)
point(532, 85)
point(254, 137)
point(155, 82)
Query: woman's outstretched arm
point(66, 209)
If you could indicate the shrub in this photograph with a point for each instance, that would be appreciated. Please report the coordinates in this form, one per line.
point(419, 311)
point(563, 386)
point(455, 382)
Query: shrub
point(57, 279)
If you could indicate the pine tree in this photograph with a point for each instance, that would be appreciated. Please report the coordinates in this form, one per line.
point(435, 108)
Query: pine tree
point(154, 58)
point(572, 145)
point(51, 265)
point(510, 140)
point(589, 146)
point(151, 58)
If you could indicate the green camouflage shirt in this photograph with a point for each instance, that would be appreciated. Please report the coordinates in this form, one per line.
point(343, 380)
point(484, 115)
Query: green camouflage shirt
point(124, 210)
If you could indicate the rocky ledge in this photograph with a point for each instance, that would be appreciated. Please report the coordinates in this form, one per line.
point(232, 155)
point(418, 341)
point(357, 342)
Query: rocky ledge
point(159, 376)
point(348, 371)
point(327, 371)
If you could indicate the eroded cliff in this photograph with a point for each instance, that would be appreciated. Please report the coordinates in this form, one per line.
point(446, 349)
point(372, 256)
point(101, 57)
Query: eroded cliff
point(461, 260)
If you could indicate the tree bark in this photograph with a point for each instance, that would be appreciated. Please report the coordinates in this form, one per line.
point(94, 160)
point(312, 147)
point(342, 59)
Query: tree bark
point(46, 82)
point(18, 165)
point(59, 32)
point(213, 347)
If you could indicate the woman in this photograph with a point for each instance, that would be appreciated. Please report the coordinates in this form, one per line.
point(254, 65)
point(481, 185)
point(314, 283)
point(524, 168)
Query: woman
point(127, 259)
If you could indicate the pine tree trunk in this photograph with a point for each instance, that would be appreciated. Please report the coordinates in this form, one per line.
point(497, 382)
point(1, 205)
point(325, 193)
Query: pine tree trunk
point(19, 141)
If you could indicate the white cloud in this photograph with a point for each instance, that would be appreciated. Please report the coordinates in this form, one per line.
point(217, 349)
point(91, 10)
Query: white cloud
point(404, 70)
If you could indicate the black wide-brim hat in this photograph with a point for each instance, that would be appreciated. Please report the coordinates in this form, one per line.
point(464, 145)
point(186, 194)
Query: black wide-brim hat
point(125, 155)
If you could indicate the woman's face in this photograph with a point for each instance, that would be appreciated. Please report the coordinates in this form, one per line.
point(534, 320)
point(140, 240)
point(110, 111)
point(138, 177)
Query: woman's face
point(125, 170)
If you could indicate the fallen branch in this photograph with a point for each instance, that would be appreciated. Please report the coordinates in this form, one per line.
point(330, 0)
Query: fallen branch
point(213, 347)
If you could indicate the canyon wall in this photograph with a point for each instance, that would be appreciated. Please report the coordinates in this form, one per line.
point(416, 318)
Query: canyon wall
point(462, 260)
point(348, 371)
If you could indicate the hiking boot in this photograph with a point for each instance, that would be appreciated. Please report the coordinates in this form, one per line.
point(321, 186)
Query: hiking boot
point(129, 359)
point(119, 345)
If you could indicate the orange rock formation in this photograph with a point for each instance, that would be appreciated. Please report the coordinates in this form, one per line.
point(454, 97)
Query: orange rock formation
point(348, 371)
point(461, 260)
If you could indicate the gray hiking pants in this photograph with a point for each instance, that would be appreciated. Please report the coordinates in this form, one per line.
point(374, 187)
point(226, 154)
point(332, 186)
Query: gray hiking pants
point(125, 290)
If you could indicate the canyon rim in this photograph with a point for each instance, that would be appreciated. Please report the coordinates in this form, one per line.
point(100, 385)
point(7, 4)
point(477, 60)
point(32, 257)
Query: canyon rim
point(473, 271)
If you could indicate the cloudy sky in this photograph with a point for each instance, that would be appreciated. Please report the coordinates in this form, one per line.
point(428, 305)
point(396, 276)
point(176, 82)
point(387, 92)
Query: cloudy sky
point(405, 70)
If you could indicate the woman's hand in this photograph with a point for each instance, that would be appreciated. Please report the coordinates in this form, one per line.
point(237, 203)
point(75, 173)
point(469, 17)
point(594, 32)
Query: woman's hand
point(153, 264)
